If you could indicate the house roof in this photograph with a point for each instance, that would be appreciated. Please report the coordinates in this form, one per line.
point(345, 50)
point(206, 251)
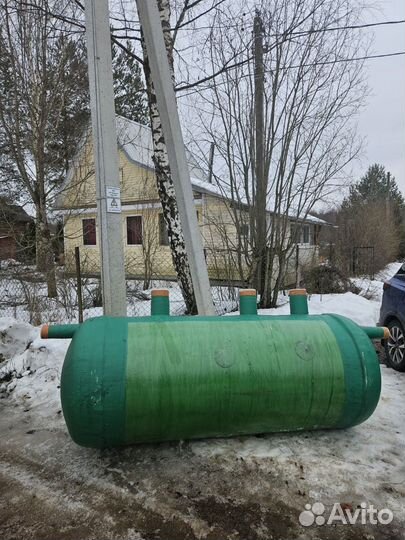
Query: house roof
point(136, 141)
point(13, 212)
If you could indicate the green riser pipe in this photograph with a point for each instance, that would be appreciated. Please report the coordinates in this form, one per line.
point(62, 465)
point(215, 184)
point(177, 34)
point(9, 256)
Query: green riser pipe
point(160, 305)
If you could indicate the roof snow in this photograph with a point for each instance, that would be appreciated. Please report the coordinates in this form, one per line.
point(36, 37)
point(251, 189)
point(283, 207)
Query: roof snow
point(136, 141)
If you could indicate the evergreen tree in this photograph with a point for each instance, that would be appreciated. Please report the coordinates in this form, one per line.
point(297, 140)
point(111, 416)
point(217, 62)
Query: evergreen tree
point(129, 90)
point(373, 214)
point(71, 113)
point(375, 186)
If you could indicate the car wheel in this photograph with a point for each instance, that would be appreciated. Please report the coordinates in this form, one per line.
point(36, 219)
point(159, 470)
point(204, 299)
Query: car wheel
point(395, 346)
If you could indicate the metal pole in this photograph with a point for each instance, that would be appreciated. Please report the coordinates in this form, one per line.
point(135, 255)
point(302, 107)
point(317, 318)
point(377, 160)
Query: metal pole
point(166, 101)
point(105, 157)
point(79, 284)
point(387, 200)
point(211, 162)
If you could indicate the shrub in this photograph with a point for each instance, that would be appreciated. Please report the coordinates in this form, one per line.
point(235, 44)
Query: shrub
point(326, 279)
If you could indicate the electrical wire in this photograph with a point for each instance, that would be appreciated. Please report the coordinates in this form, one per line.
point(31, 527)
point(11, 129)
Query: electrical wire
point(327, 62)
point(295, 32)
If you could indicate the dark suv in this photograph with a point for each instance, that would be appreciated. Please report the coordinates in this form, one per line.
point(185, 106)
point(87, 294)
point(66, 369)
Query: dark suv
point(392, 314)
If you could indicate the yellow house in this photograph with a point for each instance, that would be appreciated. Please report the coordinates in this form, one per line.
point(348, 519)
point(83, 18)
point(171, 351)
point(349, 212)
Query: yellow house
point(147, 253)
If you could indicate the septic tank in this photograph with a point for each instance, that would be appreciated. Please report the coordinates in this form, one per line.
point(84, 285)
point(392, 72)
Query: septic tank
point(161, 378)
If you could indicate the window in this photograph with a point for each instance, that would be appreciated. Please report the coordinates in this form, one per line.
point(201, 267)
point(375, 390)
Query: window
point(89, 232)
point(300, 235)
point(401, 273)
point(163, 235)
point(295, 233)
point(305, 234)
point(134, 230)
point(244, 231)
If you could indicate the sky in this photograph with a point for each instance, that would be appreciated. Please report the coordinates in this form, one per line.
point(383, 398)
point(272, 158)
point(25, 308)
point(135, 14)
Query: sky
point(382, 122)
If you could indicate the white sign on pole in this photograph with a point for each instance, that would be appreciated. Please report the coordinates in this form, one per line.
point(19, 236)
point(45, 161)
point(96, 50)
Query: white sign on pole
point(113, 195)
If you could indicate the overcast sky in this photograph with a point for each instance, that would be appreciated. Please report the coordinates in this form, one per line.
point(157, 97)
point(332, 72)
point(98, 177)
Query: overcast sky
point(382, 122)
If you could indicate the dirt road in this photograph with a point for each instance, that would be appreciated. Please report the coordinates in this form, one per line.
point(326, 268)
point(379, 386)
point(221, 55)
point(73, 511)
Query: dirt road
point(52, 489)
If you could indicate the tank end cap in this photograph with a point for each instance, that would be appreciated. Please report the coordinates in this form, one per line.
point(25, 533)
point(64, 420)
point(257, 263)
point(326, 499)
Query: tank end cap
point(44, 331)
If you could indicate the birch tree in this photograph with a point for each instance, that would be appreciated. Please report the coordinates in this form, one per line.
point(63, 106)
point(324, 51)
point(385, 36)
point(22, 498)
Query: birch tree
point(185, 14)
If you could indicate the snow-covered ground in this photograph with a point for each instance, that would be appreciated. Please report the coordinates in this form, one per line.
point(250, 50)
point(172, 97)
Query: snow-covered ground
point(363, 308)
point(204, 481)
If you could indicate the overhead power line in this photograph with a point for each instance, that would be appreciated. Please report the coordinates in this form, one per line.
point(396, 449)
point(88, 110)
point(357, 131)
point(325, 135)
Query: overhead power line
point(299, 32)
point(241, 25)
point(327, 62)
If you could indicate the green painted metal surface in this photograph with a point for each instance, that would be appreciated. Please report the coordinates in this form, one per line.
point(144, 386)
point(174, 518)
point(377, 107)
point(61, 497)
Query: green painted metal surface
point(147, 379)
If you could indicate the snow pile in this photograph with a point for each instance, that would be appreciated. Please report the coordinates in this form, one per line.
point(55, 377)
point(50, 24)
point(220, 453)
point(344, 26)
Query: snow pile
point(15, 337)
point(361, 310)
point(372, 289)
point(31, 373)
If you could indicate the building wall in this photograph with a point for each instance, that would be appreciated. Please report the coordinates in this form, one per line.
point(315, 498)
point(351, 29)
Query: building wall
point(8, 248)
point(11, 235)
point(137, 183)
point(226, 259)
point(152, 256)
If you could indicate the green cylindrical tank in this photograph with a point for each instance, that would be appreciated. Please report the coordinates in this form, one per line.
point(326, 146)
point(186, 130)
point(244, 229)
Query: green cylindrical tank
point(130, 380)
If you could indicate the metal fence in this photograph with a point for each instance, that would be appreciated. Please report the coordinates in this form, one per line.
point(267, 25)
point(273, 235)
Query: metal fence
point(24, 292)
point(351, 261)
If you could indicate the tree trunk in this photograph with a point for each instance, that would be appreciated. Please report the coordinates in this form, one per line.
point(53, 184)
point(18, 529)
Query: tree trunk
point(163, 174)
point(44, 252)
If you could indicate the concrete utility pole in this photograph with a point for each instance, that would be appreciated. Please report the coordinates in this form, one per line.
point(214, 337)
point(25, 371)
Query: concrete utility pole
point(106, 157)
point(166, 101)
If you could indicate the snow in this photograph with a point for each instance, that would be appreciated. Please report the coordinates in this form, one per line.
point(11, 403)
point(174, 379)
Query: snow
point(31, 372)
point(363, 308)
point(359, 309)
point(361, 463)
point(15, 337)
point(136, 141)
